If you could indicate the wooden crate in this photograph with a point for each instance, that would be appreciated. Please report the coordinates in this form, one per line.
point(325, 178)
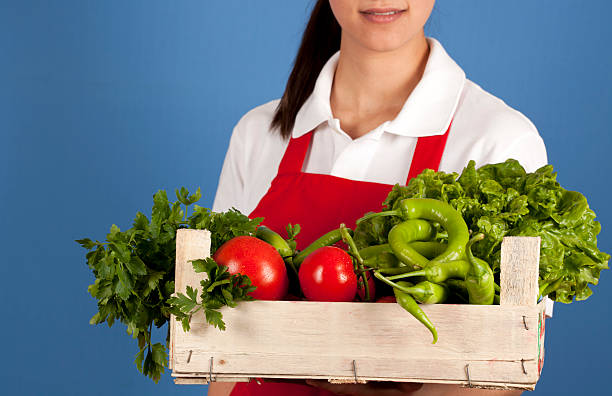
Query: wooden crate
point(498, 346)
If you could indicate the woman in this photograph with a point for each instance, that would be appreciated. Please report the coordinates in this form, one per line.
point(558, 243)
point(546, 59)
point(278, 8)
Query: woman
point(370, 102)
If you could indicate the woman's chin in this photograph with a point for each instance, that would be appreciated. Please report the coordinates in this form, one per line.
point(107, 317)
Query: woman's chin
point(383, 43)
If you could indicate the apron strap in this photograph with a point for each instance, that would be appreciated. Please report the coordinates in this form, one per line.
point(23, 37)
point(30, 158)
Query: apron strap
point(427, 154)
point(294, 156)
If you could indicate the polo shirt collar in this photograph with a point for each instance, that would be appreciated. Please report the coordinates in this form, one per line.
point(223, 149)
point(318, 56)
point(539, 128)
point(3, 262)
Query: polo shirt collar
point(428, 110)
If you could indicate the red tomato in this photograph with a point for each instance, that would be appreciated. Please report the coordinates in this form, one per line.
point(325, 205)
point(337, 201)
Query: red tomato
point(327, 275)
point(258, 260)
point(371, 287)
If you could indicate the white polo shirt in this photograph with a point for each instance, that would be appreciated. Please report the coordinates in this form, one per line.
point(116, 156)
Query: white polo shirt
point(484, 129)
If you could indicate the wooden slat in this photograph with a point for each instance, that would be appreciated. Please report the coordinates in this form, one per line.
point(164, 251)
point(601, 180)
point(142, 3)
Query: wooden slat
point(191, 381)
point(190, 245)
point(205, 381)
point(520, 264)
point(290, 338)
point(402, 367)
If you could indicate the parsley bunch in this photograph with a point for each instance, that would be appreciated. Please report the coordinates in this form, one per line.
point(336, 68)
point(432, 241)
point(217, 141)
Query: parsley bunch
point(134, 272)
point(219, 289)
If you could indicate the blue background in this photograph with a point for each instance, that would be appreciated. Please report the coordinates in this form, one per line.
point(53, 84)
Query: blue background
point(104, 102)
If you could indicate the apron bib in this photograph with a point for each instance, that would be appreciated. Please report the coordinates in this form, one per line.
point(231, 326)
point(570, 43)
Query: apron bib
point(319, 203)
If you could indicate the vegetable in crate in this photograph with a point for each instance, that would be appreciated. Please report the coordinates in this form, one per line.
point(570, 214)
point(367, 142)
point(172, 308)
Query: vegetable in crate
point(406, 301)
point(503, 200)
point(327, 274)
point(414, 212)
point(258, 260)
point(134, 271)
point(415, 227)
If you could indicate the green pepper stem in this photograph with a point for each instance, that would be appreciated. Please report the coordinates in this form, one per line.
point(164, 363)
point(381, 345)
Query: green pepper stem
point(408, 275)
point(395, 271)
point(378, 214)
point(391, 283)
point(346, 237)
point(326, 240)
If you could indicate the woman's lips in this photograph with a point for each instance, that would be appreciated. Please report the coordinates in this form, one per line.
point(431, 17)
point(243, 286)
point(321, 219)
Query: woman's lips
point(382, 15)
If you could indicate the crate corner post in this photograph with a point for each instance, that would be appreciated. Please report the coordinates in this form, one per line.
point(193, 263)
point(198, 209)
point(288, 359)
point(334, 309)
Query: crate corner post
point(190, 245)
point(519, 271)
point(519, 274)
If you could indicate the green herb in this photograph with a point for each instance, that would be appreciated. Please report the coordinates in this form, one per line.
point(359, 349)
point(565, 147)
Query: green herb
point(134, 269)
point(222, 226)
point(503, 200)
point(292, 233)
point(219, 289)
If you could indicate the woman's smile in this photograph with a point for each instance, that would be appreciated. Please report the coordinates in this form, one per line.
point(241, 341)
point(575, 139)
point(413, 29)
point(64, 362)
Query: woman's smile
point(382, 15)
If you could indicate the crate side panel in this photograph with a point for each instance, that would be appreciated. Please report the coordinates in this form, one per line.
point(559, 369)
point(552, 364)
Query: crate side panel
point(308, 338)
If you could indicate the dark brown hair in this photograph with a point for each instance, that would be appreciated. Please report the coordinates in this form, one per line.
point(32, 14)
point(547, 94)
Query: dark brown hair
point(320, 41)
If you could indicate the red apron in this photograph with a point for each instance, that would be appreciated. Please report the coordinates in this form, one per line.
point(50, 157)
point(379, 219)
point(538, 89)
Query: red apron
point(319, 203)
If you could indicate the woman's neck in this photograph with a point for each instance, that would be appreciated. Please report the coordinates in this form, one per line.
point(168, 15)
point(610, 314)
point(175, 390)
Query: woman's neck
point(371, 87)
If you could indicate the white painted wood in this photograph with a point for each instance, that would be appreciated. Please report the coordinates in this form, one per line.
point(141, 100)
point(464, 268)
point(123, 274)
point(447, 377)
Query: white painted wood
point(382, 339)
point(297, 339)
point(205, 381)
point(190, 245)
point(519, 268)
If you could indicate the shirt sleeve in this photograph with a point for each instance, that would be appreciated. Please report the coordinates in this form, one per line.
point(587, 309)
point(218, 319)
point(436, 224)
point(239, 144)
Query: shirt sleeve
point(231, 188)
point(529, 150)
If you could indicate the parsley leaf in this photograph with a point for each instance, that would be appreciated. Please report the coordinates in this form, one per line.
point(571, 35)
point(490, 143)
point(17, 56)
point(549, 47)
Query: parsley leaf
point(292, 233)
point(219, 289)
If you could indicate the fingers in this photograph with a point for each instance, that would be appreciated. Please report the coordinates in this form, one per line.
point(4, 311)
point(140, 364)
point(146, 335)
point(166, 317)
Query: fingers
point(373, 388)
